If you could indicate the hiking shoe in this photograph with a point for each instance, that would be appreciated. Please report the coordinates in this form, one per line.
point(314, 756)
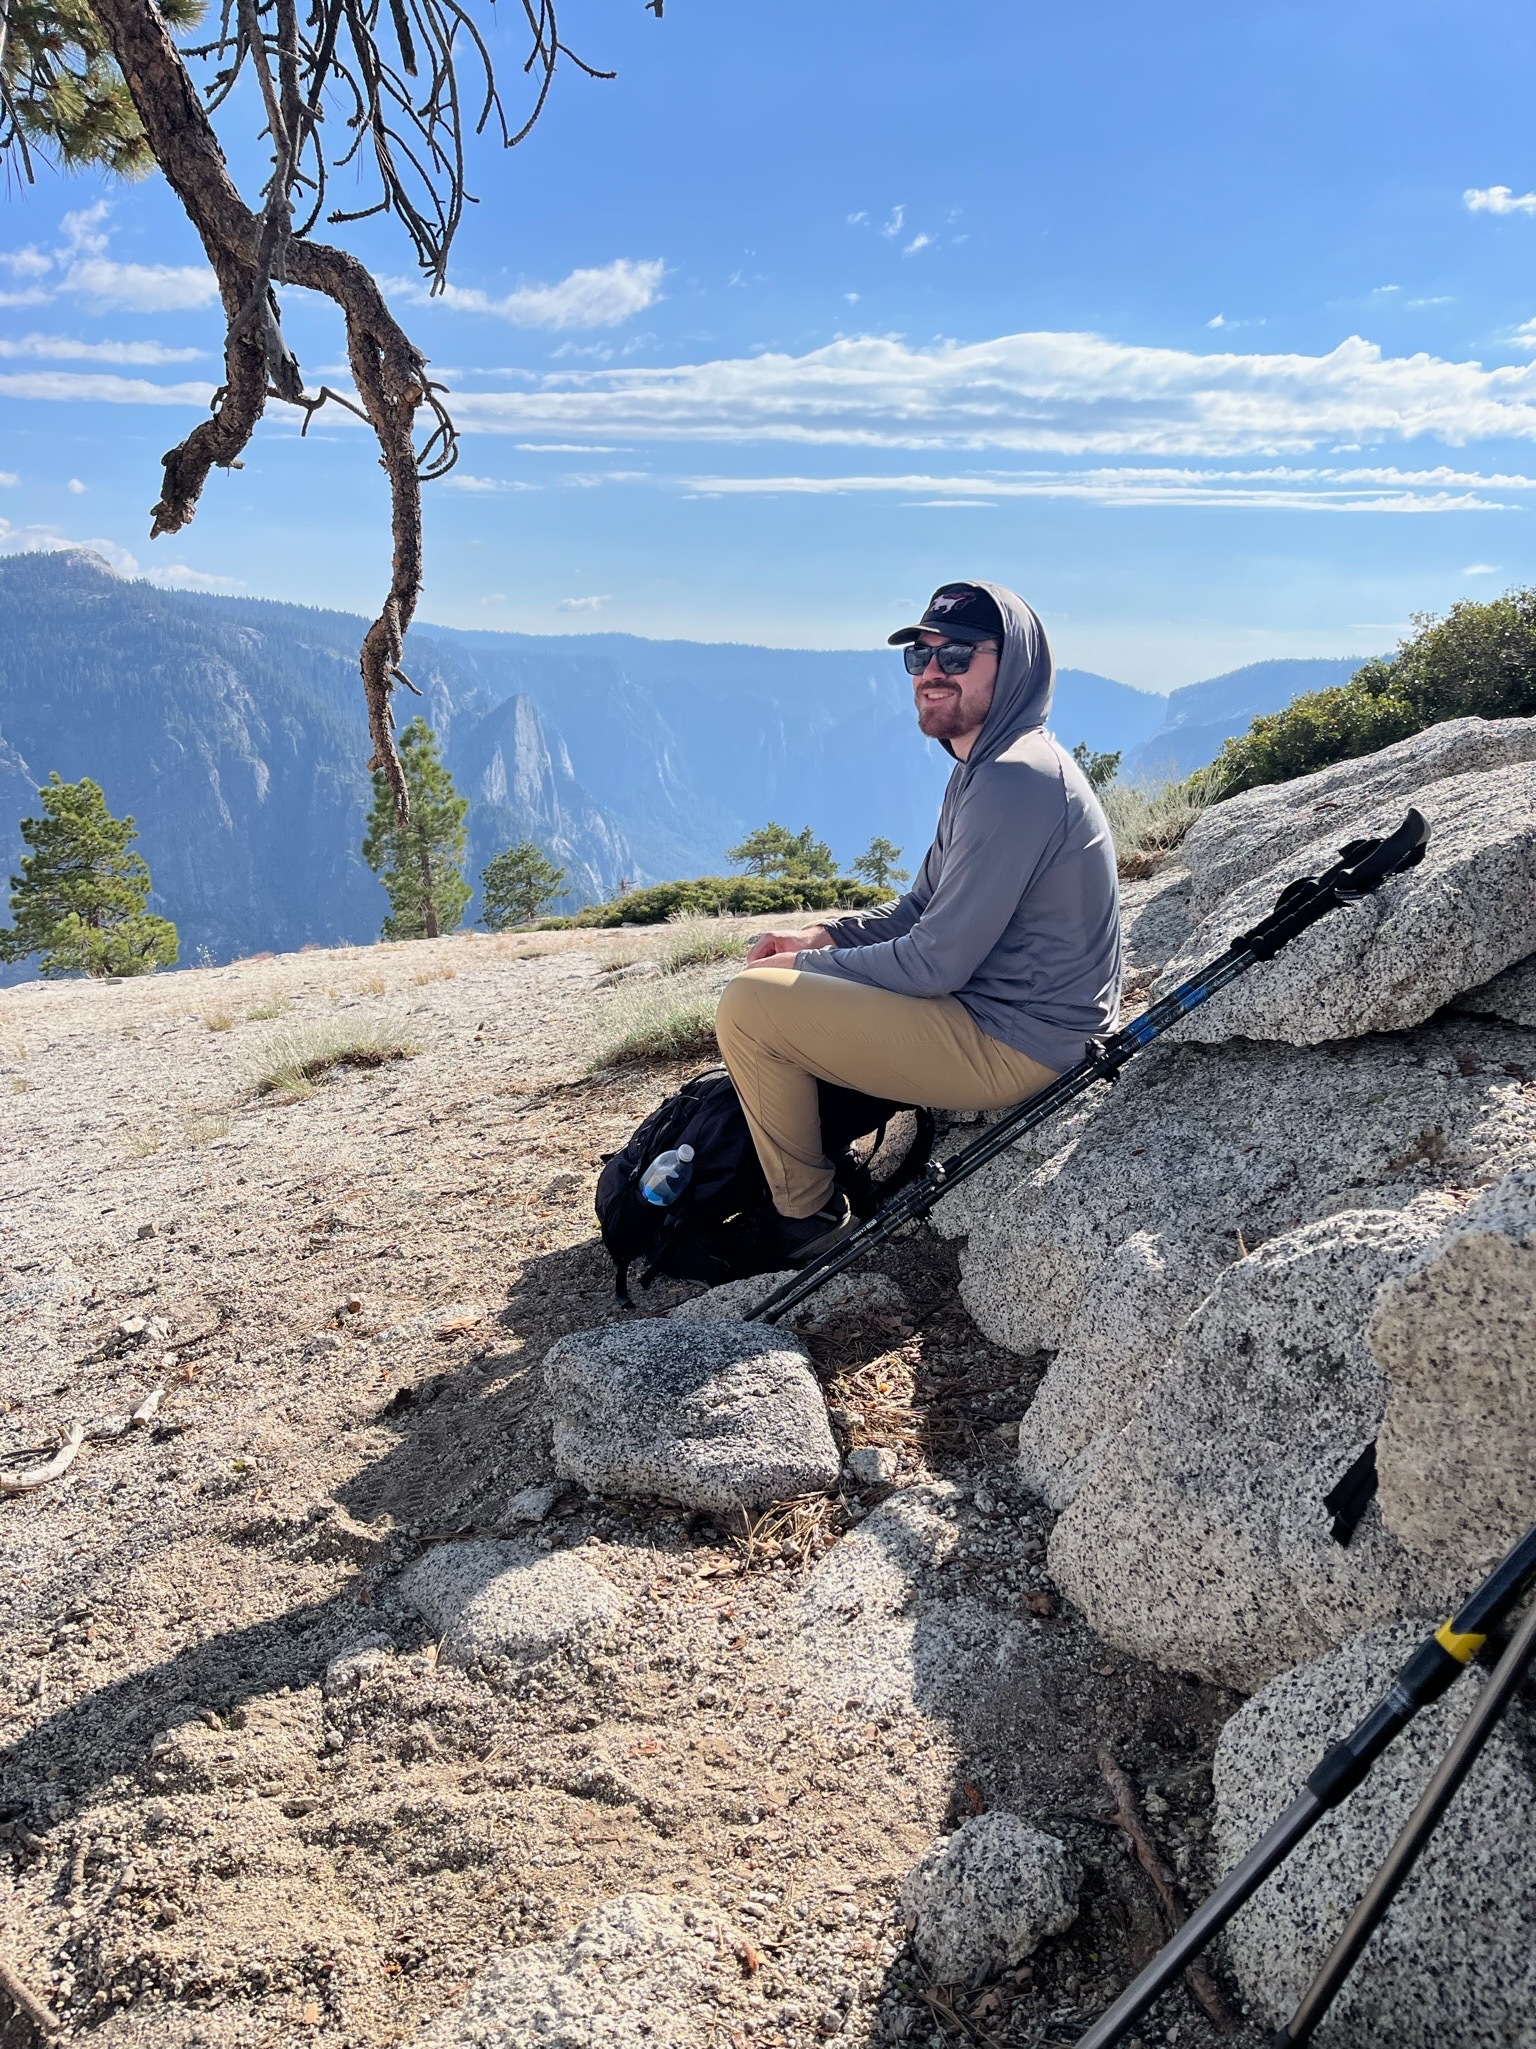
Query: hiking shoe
point(800, 1239)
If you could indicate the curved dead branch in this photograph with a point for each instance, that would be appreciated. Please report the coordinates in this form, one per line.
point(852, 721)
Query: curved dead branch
point(395, 66)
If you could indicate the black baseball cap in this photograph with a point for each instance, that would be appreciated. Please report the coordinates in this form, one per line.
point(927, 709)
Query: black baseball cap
point(960, 612)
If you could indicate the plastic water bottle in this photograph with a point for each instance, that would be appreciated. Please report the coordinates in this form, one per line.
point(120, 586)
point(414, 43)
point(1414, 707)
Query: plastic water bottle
point(667, 1176)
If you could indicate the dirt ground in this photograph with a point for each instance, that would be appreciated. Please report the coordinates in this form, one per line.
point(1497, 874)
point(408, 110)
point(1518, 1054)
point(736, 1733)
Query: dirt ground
point(207, 1845)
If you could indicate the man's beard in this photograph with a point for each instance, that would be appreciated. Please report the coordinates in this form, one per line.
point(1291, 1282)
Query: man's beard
point(942, 721)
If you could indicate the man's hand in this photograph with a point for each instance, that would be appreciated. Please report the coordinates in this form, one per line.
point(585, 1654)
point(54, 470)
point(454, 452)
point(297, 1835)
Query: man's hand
point(769, 944)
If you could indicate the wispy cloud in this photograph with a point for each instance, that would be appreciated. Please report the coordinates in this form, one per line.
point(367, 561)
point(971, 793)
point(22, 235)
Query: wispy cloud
point(1497, 199)
point(63, 348)
point(917, 242)
point(458, 480)
point(75, 488)
point(893, 225)
point(85, 387)
point(583, 604)
point(8, 480)
point(176, 576)
point(1278, 488)
point(81, 268)
point(1481, 569)
point(605, 297)
point(1050, 393)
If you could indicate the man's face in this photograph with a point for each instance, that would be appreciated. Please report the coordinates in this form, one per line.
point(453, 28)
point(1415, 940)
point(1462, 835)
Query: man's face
point(950, 707)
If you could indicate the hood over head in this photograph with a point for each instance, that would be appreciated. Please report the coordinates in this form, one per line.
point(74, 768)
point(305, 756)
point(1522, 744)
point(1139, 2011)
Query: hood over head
point(1026, 677)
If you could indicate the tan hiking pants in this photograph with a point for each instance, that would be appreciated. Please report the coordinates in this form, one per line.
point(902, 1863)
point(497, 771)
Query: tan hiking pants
point(781, 1031)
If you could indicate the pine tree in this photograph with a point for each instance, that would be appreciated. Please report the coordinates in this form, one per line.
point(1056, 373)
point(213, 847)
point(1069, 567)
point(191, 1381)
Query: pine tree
point(79, 901)
point(877, 864)
point(420, 863)
point(517, 885)
point(775, 850)
point(1099, 768)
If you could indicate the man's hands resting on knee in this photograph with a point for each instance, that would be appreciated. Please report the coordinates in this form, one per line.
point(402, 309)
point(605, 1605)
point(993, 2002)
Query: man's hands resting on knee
point(770, 944)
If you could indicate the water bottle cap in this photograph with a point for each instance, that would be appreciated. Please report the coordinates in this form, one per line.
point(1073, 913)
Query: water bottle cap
point(685, 1152)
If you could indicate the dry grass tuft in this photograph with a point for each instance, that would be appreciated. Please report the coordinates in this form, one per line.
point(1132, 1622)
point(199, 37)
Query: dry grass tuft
point(271, 1005)
point(442, 974)
point(1148, 820)
point(651, 1020)
point(794, 1532)
point(218, 1020)
point(695, 941)
point(375, 985)
point(295, 1063)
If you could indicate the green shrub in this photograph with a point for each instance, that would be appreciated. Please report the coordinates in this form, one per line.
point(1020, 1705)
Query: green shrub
point(726, 895)
point(1147, 820)
point(1479, 661)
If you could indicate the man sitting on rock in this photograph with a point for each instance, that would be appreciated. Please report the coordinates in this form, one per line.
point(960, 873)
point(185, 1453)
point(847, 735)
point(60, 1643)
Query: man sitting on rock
point(989, 976)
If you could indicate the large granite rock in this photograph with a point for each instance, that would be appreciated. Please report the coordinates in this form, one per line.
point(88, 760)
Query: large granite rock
point(1102, 1251)
point(1392, 959)
point(988, 1896)
point(1199, 1539)
point(639, 1973)
point(1511, 995)
point(846, 1298)
point(1455, 1959)
point(1456, 1336)
point(1246, 836)
point(712, 1415)
point(498, 1605)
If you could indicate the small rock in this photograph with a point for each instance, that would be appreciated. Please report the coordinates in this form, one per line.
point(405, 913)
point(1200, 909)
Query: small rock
point(988, 1896)
point(843, 1299)
point(532, 1504)
point(131, 1327)
point(497, 1603)
point(872, 1465)
point(146, 1230)
point(352, 1306)
point(624, 1979)
point(715, 1416)
point(349, 1668)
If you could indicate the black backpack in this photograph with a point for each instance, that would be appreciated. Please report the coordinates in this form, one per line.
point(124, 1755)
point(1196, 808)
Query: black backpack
point(721, 1226)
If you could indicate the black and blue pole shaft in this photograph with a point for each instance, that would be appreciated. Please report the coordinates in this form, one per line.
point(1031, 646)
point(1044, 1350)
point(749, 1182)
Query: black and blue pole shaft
point(1361, 868)
point(1437, 1662)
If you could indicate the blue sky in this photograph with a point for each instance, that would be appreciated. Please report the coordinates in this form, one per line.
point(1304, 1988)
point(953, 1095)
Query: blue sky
point(1210, 329)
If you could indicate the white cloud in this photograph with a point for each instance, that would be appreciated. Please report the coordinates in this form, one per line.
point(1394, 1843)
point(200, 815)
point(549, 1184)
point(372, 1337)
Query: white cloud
point(892, 227)
point(1051, 393)
point(583, 604)
point(1481, 569)
point(852, 298)
point(81, 267)
point(140, 287)
point(75, 488)
point(1280, 488)
point(62, 348)
point(587, 298)
point(1498, 199)
point(8, 480)
point(27, 262)
point(1219, 321)
point(1525, 334)
point(96, 388)
point(857, 220)
point(176, 576)
point(917, 242)
point(458, 480)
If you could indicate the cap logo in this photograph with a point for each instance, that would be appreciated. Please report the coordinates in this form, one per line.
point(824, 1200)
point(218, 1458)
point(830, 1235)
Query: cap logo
point(948, 603)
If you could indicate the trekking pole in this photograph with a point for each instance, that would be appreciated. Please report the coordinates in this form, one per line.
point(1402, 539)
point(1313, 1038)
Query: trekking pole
point(1438, 1661)
point(1421, 1824)
point(1362, 867)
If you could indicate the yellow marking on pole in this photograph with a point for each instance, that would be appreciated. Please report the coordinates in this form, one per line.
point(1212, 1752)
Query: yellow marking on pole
point(1462, 1645)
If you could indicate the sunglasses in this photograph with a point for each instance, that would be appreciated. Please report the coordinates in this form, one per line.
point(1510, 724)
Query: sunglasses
point(953, 659)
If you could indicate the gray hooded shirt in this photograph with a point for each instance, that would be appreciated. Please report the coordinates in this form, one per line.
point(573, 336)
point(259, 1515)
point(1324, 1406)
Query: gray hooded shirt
point(1015, 910)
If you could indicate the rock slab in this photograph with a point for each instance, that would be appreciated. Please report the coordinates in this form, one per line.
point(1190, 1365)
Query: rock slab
point(1456, 1337)
point(1200, 1539)
point(845, 1298)
point(638, 1973)
point(988, 1896)
point(499, 1605)
point(711, 1415)
point(1390, 960)
point(1455, 1959)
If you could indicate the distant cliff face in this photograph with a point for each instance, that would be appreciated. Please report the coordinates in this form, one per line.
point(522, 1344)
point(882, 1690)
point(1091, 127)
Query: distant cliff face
point(236, 737)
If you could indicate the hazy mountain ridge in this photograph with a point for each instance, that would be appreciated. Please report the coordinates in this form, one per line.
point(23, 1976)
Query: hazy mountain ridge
point(233, 729)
